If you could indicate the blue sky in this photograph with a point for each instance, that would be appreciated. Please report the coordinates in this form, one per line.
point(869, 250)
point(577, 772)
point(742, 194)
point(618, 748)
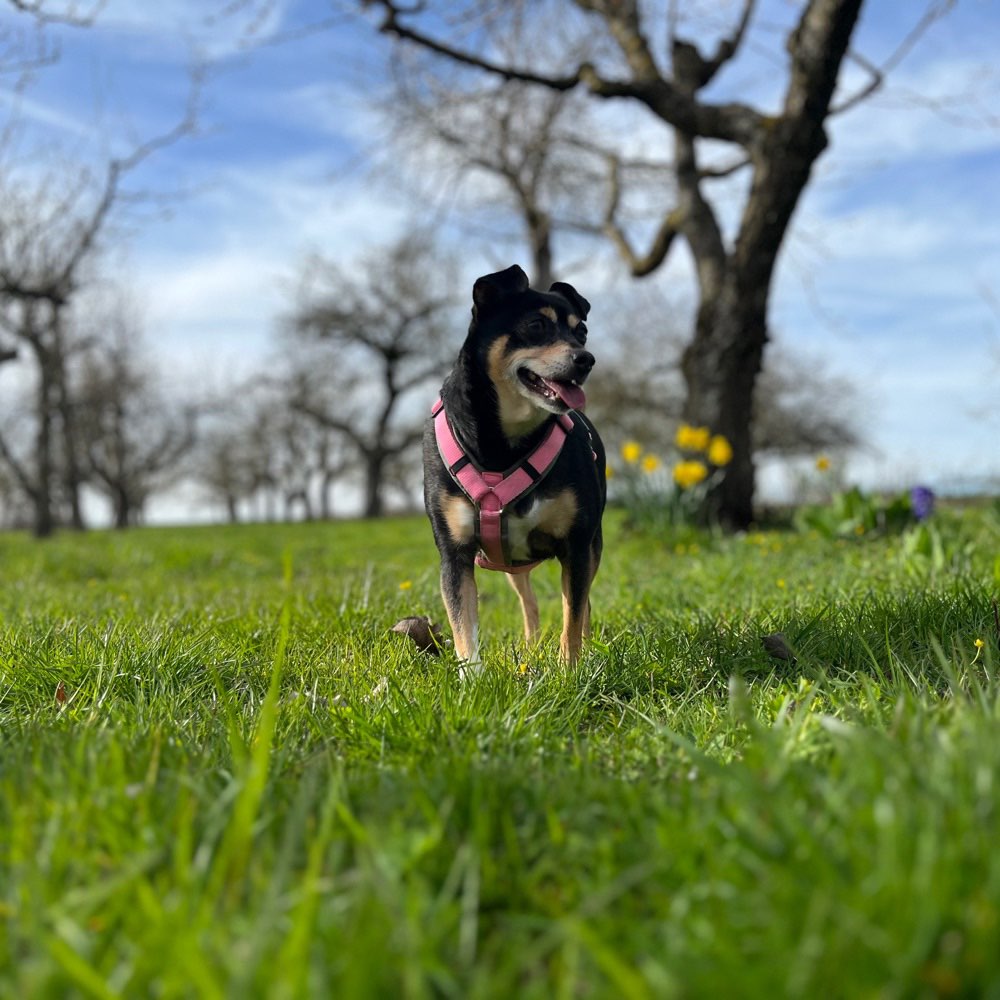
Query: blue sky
point(886, 279)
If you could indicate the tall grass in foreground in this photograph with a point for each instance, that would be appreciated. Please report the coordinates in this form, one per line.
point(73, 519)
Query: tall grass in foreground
point(221, 775)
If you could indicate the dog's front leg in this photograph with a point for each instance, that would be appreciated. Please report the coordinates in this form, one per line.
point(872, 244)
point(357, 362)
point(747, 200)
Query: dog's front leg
point(577, 573)
point(458, 589)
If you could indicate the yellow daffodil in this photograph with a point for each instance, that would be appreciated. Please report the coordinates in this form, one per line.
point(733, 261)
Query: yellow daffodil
point(650, 463)
point(631, 450)
point(823, 464)
point(406, 584)
point(692, 438)
point(609, 471)
point(720, 451)
point(687, 474)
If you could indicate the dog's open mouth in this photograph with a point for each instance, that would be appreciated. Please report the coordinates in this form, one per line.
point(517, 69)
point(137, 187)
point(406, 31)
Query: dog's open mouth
point(568, 393)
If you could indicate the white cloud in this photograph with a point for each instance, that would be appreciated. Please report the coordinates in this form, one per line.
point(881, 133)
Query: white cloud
point(210, 29)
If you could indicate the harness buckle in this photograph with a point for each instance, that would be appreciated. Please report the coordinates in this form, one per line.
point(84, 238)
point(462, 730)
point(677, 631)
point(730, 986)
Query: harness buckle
point(489, 501)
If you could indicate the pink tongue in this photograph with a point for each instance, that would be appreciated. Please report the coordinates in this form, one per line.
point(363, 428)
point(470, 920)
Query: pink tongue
point(572, 395)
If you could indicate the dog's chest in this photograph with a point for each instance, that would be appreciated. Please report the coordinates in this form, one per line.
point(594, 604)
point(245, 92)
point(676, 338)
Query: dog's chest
point(520, 527)
point(552, 516)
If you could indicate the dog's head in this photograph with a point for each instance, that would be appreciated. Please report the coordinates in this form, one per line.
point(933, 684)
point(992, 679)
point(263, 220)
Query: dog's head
point(531, 344)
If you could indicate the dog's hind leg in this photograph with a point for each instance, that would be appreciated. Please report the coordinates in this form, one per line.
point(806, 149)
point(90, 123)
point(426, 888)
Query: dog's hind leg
point(458, 589)
point(595, 562)
point(521, 583)
point(577, 574)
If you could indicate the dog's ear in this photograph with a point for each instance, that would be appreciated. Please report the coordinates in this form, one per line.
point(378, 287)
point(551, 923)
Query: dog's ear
point(491, 288)
point(580, 305)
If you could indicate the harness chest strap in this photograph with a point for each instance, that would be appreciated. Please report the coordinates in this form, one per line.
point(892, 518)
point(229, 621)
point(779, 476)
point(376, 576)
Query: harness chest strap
point(492, 492)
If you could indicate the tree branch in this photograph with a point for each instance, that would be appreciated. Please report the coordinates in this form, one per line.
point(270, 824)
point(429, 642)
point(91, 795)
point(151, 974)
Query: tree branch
point(662, 241)
point(877, 78)
point(730, 122)
point(332, 423)
point(718, 173)
point(20, 472)
point(70, 16)
point(728, 47)
point(934, 12)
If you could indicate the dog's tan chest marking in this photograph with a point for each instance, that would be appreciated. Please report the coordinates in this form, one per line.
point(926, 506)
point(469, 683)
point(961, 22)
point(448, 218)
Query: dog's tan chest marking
point(553, 516)
point(558, 514)
point(460, 517)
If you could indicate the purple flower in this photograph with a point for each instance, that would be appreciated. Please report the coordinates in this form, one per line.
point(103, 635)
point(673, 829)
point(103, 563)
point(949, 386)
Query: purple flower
point(922, 502)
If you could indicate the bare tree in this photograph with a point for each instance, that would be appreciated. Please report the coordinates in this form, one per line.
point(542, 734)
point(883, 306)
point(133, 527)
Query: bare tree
point(381, 336)
point(528, 148)
point(259, 449)
point(220, 470)
point(801, 411)
point(51, 460)
point(724, 353)
point(798, 409)
point(135, 434)
point(52, 230)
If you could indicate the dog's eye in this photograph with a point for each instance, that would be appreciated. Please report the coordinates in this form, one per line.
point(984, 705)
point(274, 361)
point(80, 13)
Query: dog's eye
point(581, 332)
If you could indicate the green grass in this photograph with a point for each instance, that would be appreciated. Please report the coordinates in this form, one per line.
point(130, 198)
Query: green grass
point(221, 775)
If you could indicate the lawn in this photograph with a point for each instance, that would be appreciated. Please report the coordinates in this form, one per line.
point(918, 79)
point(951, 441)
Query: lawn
point(222, 775)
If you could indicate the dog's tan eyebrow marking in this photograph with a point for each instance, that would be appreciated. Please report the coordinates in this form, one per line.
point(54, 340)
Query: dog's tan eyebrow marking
point(549, 313)
point(573, 321)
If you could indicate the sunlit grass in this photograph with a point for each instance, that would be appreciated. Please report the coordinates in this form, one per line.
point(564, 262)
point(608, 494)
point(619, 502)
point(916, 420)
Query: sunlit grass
point(222, 775)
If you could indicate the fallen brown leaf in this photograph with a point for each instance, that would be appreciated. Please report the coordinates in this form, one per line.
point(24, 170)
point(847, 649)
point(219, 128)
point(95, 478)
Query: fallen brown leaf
point(777, 646)
point(423, 632)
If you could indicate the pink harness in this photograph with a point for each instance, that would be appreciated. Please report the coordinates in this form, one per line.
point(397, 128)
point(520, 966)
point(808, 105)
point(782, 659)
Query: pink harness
point(492, 493)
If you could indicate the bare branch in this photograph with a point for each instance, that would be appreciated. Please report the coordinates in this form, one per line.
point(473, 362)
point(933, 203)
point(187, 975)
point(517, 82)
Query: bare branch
point(691, 69)
point(877, 74)
point(663, 240)
point(732, 122)
point(74, 14)
point(116, 170)
point(728, 47)
point(876, 79)
point(20, 472)
point(391, 25)
point(622, 18)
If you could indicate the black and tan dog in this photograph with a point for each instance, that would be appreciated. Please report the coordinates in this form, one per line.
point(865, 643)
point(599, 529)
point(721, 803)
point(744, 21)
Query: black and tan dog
point(513, 472)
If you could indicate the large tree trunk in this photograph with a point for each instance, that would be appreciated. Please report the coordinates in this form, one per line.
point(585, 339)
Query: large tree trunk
point(326, 496)
point(123, 508)
point(45, 522)
point(540, 239)
point(71, 472)
point(374, 472)
point(723, 359)
point(720, 367)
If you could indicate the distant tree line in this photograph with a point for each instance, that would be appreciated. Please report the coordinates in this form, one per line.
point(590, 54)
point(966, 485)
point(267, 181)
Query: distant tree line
point(338, 408)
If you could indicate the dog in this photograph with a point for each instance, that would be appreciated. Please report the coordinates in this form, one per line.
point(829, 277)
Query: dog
point(514, 473)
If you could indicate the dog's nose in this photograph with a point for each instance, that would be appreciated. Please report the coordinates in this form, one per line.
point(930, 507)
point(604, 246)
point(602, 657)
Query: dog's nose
point(584, 360)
